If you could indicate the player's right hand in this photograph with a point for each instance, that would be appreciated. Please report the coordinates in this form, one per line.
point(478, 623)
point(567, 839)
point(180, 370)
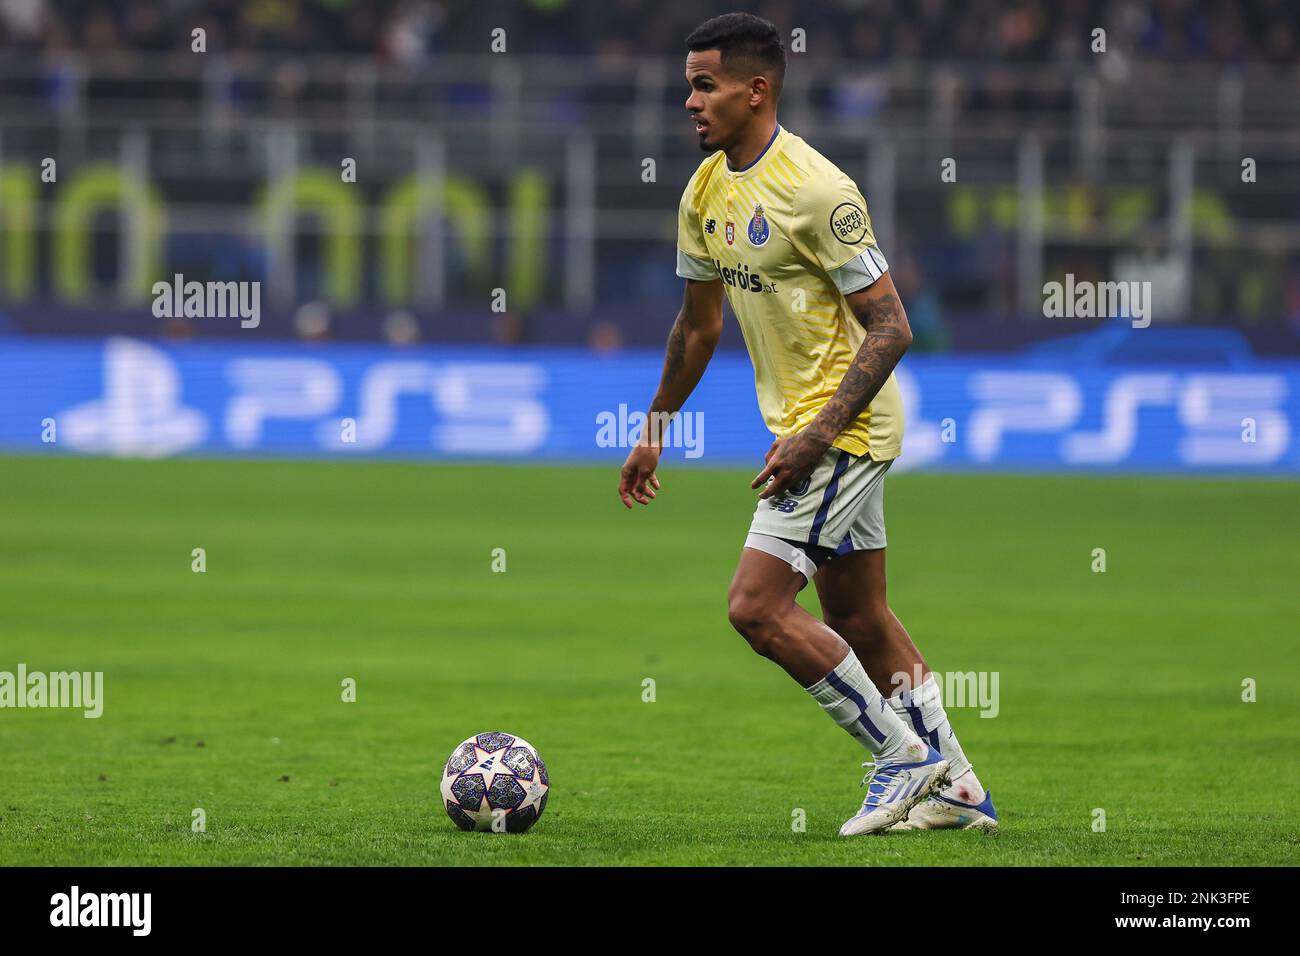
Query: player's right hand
point(638, 481)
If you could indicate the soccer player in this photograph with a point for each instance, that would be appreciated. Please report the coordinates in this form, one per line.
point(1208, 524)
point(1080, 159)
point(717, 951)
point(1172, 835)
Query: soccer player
point(772, 224)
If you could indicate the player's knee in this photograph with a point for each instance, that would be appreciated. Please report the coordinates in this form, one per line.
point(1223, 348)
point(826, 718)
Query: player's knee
point(867, 626)
point(754, 617)
point(745, 611)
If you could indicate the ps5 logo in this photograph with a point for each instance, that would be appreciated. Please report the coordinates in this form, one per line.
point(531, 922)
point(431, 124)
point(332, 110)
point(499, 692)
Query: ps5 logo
point(140, 413)
point(1015, 406)
point(477, 407)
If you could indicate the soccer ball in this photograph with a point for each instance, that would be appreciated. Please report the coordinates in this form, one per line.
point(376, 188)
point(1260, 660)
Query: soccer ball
point(495, 777)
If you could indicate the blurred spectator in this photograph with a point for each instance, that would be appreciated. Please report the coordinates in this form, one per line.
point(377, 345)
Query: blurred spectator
point(177, 328)
point(509, 328)
point(401, 328)
point(1150, 263)
point(605, 336)
point(407, 32)
point(311, 322)
point(923, 313)
point(981, 73)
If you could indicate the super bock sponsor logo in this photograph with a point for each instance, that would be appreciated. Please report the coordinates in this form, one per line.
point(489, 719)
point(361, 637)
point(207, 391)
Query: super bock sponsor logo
point(849, 223)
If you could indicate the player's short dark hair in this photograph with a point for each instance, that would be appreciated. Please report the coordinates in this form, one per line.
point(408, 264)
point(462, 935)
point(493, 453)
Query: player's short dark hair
point(749, 45)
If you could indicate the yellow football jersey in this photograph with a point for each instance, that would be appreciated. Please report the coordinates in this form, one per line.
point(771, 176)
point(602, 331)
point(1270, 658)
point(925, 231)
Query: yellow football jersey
point(783, 234)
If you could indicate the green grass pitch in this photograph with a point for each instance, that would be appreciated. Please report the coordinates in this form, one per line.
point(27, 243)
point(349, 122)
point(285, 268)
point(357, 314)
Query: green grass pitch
point(1118, 690)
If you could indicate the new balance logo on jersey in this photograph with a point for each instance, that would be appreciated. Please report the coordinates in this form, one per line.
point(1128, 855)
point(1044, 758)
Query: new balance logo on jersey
point(710, 226)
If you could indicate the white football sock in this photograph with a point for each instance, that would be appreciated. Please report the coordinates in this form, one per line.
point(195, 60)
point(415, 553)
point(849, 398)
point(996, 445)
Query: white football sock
point(924, 713)
point(853, 702)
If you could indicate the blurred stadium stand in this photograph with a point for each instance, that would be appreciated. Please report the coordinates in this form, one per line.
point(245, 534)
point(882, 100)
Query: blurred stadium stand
point(523, 170)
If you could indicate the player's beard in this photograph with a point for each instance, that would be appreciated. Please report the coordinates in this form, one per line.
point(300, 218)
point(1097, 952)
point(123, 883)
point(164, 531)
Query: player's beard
point(705, 145)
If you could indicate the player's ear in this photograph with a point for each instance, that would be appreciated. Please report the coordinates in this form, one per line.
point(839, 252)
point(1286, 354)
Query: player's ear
point(759, 90)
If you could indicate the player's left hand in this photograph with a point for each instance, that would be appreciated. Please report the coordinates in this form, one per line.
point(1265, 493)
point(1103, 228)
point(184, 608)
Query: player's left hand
point(789, 461)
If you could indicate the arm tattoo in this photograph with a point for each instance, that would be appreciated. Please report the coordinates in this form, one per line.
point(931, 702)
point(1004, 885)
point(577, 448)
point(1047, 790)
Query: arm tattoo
point(675, 357)
point(674, 363)
point(887, 339)
point(690, 346)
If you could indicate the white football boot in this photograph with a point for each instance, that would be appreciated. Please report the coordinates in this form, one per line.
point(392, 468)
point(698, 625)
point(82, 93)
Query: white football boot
point(896, 785)
point(947, 811)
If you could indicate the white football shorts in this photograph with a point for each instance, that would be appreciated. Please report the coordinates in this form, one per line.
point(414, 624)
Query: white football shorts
point(837, 509)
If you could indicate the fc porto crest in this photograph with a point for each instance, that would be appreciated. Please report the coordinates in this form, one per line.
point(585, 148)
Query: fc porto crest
point(758, 231)
point(731, 232)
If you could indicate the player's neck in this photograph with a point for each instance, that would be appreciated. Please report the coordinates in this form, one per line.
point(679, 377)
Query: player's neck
point(755, 142)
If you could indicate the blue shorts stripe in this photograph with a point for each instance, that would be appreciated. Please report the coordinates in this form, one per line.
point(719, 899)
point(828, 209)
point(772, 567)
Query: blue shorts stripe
point(841, 464)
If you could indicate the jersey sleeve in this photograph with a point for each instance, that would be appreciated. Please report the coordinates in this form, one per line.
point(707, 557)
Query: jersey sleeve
point(693, 259)
point(835, 233)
